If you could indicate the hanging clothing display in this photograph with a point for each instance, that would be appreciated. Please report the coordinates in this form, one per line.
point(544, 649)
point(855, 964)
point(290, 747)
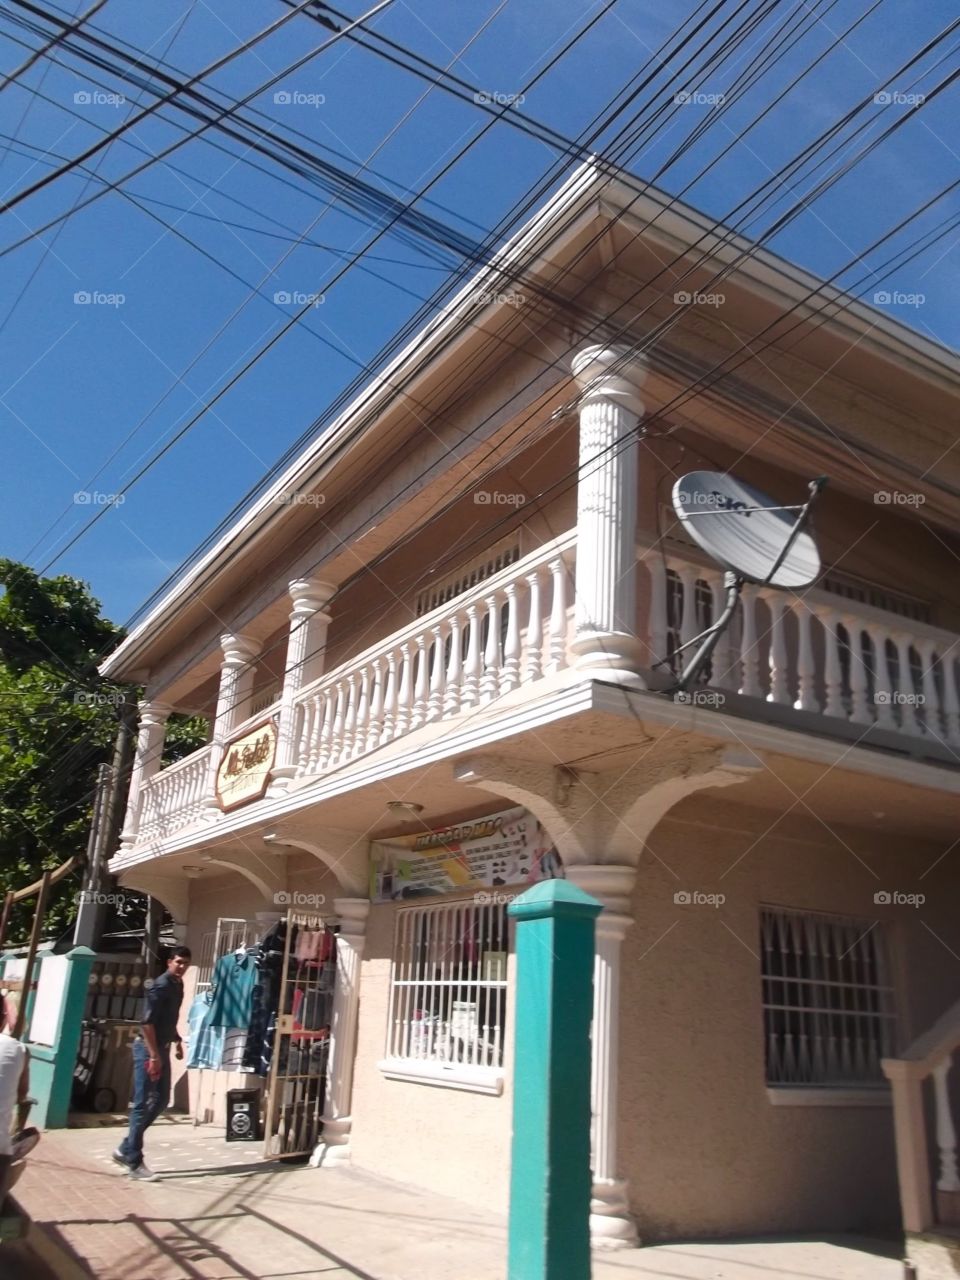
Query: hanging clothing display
point(265, 996)
point(234, 979)
point(205, 1043)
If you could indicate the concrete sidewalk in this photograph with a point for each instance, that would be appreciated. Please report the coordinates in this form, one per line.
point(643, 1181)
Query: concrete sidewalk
point(219, 1213)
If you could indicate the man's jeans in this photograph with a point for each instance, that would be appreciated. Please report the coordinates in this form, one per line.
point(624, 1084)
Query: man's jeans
point(150, 1097)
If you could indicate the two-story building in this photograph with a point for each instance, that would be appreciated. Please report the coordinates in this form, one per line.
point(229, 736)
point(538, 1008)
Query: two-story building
point(435, 659)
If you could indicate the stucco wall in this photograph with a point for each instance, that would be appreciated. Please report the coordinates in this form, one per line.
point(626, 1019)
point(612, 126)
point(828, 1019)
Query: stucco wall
point(447, 1140)
point(705, 1150)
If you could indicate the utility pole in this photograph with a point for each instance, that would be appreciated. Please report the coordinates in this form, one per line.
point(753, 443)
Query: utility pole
point(108, 808)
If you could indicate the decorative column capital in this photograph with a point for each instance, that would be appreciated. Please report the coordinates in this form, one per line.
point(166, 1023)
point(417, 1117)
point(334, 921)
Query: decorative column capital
point(238, 649)
point(154, 714)
point(612, 885)
point(308, 595)
point(352, 913)
point(610, 373)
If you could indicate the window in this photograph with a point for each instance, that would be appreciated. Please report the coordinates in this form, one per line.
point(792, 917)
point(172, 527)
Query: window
point(827, 1000)
point(448, 993)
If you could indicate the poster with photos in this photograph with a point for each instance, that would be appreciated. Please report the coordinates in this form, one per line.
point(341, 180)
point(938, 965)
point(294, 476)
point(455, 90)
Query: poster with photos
point(510, 848)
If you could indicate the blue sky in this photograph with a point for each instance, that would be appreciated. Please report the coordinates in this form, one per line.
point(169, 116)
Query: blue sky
point(121, 374)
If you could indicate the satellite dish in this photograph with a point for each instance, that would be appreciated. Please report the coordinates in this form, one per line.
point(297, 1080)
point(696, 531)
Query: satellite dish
point(747, 532)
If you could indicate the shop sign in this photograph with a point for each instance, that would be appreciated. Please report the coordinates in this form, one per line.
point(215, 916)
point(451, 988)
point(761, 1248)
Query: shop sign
point(508, 848)
point(245, 767)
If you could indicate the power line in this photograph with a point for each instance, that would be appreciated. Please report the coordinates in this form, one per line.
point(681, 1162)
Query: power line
point(51, 44)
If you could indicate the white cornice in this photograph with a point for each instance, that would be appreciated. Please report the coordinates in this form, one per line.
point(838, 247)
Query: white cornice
point(563, 700)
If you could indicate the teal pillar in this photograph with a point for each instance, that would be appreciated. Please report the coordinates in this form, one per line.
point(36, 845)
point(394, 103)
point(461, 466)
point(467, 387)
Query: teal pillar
point(550, 1158)
point(51, 1068)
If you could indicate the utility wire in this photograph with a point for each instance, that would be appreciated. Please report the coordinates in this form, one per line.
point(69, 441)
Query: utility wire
point(54, 40)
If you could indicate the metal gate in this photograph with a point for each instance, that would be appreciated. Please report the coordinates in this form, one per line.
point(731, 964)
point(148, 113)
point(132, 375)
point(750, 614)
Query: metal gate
point(301, 1042)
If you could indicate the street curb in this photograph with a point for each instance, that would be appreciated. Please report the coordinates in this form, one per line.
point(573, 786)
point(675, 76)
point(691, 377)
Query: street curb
point(61, 1262)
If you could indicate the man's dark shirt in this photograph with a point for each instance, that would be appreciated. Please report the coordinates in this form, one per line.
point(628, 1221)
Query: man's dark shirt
point(162, 1008)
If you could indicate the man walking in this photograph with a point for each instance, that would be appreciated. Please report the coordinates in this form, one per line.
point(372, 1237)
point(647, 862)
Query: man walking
point(151, 1061)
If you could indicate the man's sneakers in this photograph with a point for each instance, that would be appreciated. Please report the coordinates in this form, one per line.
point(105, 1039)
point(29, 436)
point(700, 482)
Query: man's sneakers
point(141, 1173)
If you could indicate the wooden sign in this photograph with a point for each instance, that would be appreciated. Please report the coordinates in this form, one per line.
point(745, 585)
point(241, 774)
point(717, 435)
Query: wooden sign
point(244, 771)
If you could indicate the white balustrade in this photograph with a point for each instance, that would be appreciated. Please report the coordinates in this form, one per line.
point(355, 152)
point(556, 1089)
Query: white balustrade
point(810, 651)
point(174, 798)
point(507, 632)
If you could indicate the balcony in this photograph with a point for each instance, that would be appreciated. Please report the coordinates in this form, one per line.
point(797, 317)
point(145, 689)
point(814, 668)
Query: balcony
point(813, 659)
point(816, 661)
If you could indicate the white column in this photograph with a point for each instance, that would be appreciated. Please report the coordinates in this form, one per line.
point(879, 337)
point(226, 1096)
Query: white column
point(606, 606)
point(611, 1225)
point(305, 661)
point(146, 764)
point(334, 1147)
point(236, 683)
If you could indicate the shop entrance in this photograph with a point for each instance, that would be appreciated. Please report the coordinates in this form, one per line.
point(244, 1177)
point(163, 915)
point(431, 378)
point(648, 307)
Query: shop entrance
point(301, 1041)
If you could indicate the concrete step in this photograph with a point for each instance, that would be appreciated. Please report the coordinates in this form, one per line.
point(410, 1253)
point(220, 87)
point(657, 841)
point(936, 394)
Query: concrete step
point(935, 1254)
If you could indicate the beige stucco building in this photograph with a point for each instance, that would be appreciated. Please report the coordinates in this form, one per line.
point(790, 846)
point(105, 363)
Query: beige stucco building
point(456, 606)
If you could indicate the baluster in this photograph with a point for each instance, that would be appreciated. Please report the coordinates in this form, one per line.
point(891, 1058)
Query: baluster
point(490, 680)
point(533, 660)
point(510, 674)
point(471, 670)
point(806, 668)
point(435, 700)
point(336, 734)
point(178, 805)
point(749, 653)
point(454, 674)
point(832, 666)
point(933, 718)
point(951, 696)
point(657, 617)
point(946, 1133)
point(558, 618)
point(778, 659)
point(322, 733)
point(375, 718)
point(390, 700)
point(304, 741)
point(350, 720)
point(195, 778)
point(907, 695)
point(689, 627)
point(860, 711)
point(882, 684)
point(420, 684)
point(405, 692)
point(363, 714)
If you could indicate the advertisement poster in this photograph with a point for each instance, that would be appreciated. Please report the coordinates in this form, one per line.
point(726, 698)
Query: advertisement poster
point(508, 848)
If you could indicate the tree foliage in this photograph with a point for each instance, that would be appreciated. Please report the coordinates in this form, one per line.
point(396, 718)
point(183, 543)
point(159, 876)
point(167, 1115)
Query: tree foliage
point(58, 724)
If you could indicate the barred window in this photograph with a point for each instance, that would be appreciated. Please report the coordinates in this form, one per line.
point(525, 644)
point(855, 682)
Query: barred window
point(448, 992)
point(827, 1000)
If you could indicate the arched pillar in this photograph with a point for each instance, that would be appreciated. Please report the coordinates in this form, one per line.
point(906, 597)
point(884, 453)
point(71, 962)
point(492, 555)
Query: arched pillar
point(172, 889)
point(268, 875)
point(345, 853)
point(600, 824)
